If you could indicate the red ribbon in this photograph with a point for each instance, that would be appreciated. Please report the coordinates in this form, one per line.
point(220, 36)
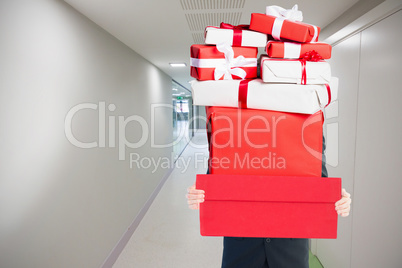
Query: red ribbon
point(304, 72)
point(230, 26)
point(329, 94)
point(308, 56)
point(237, 32)
point(243, 91)
point(311, 56)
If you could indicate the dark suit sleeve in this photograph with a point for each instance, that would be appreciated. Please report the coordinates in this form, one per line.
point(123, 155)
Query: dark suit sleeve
point(324, 172)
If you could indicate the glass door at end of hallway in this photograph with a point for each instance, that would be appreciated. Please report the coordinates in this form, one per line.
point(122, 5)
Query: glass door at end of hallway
point(182, 118)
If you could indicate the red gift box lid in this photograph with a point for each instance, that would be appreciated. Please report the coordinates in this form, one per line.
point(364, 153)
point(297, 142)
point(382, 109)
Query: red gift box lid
point(269, 188)
point(269, 206)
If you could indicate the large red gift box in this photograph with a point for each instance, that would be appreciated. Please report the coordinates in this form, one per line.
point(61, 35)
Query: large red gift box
point(265, 206)
point(291, 50)
point(291, 30)
point(207, 60)
point(263, 142)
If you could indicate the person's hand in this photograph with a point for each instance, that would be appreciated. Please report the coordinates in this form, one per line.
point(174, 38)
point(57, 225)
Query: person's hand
point(194, 197)
point(342, 206)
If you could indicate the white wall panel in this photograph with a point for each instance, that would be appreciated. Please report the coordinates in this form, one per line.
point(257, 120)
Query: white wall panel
point(377, 221)
point(60, 205)
point(345, 66)
point(368, 66)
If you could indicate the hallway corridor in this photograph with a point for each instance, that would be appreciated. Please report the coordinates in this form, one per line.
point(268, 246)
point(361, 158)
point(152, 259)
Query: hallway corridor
point(93, 98)
point(168, 235)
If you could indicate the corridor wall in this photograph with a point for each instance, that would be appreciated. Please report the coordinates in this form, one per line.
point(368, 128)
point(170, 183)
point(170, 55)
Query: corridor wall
point(201, 120)
point(66, 84)
point(369, 129)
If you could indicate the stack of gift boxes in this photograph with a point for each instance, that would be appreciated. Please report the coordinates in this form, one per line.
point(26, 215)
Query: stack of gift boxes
point(265, 127)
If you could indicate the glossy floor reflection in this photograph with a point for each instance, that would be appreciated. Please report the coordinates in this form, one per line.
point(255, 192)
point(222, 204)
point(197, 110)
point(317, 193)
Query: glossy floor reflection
point(181, 136)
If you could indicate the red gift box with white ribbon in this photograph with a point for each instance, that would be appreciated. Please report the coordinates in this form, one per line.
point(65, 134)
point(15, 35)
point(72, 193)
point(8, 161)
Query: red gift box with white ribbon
point(235, 36)
point(292, 50)
point(258, 142)
point(223, 62)
point(289, 30)
point(266, 206)
point(284, 24)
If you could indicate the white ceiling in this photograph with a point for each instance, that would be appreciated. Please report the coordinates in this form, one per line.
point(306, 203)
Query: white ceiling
point(162, 31)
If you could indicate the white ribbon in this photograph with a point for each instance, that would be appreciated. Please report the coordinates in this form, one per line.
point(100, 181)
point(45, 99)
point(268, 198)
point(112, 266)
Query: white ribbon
point(288, 14)
point(212, 63)
point(314, 39)
point(277, 28)
point(231, 64)
point(282, 14)
point(291, 50)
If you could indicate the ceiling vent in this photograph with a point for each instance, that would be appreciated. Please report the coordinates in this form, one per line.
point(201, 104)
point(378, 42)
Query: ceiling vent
point(198, 22)
point(202, 13)
point(211, 4)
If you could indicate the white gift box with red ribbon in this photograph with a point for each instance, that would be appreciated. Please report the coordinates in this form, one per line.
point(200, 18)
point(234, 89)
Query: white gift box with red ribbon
point(295, 71)
point(235, 36)
point(255, 94)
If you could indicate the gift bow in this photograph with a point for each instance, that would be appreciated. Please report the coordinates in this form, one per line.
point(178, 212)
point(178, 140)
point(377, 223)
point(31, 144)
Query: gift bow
point(288, 14)
point(311, 56)
point(230, 67)
point(308, 56)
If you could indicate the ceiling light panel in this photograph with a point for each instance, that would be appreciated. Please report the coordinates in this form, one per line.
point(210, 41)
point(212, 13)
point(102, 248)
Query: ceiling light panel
point(178, 65)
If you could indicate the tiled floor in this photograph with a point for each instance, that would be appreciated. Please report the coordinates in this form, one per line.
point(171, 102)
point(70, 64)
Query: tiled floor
point(168, 236)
